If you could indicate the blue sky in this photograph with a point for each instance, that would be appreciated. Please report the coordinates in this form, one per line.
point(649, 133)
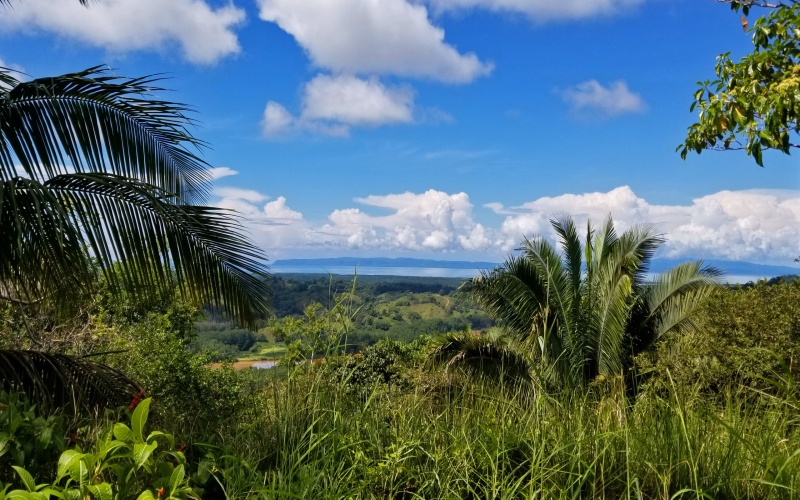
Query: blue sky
point(439, 128)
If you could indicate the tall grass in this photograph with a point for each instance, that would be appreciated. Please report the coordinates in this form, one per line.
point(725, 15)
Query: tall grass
point(451, 439)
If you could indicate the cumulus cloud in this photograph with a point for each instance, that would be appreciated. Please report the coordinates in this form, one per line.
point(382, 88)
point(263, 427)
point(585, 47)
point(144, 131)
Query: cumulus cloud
point(760, 226)
point(203, 34)
point(592, 98)
point(276, 210)
point(386, 37)
point(276, 120)
point(331, 104)
point(542, 10)
point(750, 225)
point(433, 220)
point(220, 172)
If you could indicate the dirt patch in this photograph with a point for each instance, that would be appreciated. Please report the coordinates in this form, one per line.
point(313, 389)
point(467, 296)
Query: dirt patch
point(241, 365)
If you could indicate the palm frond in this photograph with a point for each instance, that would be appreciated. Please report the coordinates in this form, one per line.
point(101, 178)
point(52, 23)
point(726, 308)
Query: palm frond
point(60, 381)
point(148, 235)
point(603, 242)
point(671, 301)
point(512, 294)
point(571, 243)
point(607, 322)
point(496, 359)
point(635, 250)
point(48, 253)
point(92, 121)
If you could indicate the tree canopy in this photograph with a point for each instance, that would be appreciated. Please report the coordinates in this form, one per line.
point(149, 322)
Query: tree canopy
point(753, 104)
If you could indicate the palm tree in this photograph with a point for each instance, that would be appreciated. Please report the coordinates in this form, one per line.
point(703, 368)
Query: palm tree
point(587, 311)
point(91, 161)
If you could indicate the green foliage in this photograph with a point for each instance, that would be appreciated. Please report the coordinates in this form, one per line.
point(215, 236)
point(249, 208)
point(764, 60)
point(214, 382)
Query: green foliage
point(194, 398)
point(750, 336)
point(400, 308)
point(108, 168)
point(446, 440)
point(123, 463)
point(28, 439)
point(578, 323)
point(388, 362)
point(754, 104)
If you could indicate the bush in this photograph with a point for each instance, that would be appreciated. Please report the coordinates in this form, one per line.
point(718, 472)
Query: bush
point(748, 335)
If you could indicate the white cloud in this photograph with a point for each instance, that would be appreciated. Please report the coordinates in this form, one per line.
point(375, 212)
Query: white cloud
point(277, 209)
point(761, 226)
point(750, 225)
point(220, 172)
point(542, 10)
point(391, 37)
point(204, 34)
point(591, 97)
point(350, 100)
point(331, 104)
point(431, 221)
point(276, 120)
point(233, 193)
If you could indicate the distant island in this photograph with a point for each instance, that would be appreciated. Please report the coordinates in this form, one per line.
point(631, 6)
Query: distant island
point(384, 262)
point(731, 268)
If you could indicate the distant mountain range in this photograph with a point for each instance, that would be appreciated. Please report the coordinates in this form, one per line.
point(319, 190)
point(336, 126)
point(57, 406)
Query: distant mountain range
point(731, 268)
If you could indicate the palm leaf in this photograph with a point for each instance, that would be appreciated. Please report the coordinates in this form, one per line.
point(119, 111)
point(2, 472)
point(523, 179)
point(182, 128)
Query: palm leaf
point(60, 381)
point(671, 301)
point(496, 359)
point(93, 122)
point(105, 166)
point(149, 233)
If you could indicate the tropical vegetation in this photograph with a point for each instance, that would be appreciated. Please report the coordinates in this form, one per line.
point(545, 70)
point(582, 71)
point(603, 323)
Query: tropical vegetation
point(584, 313)
point(599, 381)
point(753, 104)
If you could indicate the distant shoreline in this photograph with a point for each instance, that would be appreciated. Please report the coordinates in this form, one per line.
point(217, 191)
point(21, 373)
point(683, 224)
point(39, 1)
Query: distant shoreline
point(735, 272)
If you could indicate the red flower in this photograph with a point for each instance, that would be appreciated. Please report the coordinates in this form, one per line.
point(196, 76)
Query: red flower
point(160, 492)
point(182, 448)
point(136, 400)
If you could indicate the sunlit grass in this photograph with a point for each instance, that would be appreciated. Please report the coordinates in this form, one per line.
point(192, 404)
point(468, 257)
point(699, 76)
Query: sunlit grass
point(446, 440)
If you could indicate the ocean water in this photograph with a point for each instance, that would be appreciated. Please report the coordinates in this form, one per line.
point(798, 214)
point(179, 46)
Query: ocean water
point(431, 272)
point(435, 272)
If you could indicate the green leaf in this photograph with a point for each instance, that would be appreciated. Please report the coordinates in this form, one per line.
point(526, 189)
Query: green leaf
point(66, 463)
point(139, 419)
point(146, 495)
point(176, 479)
point(25, 476)
point(102, 491)
point(123, 432)
point(142, 452)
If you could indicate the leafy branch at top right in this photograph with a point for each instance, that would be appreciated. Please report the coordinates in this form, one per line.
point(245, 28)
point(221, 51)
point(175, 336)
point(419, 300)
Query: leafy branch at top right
point(753, 104)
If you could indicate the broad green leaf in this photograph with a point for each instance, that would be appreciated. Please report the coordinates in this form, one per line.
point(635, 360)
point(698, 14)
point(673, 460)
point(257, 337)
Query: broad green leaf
point(25, 476)
point(146, 495)
point(176, 479)
point(67, 461)
point(141, 452)
point(139, 419)
point(102, 491)
point(123, 432)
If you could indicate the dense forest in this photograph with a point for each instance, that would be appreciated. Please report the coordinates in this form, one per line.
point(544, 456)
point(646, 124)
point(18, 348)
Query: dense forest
point(395, 307)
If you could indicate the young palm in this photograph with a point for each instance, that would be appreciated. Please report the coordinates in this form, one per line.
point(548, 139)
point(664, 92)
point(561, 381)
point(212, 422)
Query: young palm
point(587, 311)
point(93, 161)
